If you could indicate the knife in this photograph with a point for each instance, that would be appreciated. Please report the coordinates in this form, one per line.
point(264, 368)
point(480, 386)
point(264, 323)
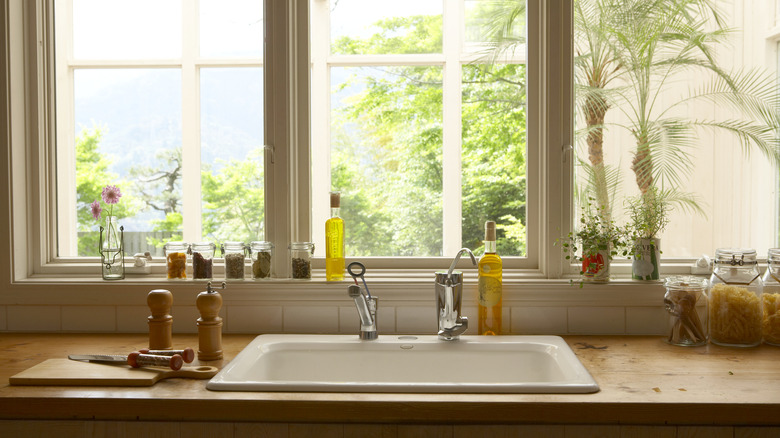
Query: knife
point(134, 359)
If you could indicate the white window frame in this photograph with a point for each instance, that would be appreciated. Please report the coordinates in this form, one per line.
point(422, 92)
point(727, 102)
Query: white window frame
point(28, 129)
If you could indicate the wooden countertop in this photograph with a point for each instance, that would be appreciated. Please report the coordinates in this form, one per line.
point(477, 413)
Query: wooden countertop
point(643, 381)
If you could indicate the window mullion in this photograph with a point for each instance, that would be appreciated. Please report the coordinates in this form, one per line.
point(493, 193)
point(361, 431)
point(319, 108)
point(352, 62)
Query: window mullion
point(451, 135)
point(190, 80)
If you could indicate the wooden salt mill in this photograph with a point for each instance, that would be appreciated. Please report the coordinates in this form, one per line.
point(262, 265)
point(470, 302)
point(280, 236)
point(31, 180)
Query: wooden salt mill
point(209, 302)
point(161, 321)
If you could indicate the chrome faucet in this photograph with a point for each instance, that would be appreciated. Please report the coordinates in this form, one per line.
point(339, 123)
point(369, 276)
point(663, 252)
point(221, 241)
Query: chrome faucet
point(366, 307)
point(449, 293)
point(365, 303)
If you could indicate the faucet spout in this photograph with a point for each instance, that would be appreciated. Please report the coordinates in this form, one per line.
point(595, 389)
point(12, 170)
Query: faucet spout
point(366, 308)
point(449, 293)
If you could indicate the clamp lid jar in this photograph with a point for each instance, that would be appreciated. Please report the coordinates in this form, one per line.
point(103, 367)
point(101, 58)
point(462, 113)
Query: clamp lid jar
point(735, 311)
point(235, 256)
point(300, 259)
point(771, 298)
point(261, 253)
point(686, 302)
point(202, 260)
point(176, 259)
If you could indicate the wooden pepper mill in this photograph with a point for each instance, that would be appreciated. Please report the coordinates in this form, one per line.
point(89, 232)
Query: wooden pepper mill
point(161, 321)
point(209, 302)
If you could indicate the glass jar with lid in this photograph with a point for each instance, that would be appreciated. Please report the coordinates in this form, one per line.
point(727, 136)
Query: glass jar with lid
point(686, 302)
point(771, 298)
point(202, 260)
point(235, 256)
point(261, 253)
point(735, 310)
point(300, 259)
point(176, 259)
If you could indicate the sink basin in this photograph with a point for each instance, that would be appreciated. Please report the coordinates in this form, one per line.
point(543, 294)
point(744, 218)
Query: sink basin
point(344, 363)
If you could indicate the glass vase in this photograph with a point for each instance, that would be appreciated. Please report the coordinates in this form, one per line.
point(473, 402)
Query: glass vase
point(112, 250)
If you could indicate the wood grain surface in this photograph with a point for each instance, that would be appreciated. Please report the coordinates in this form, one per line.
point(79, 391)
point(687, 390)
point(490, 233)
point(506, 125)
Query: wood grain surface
point(642, 379)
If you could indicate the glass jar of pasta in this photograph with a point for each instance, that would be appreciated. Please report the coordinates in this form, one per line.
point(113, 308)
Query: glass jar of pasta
point(735, 310)
point(176, 259)
point(686, 302)
point(771, 298)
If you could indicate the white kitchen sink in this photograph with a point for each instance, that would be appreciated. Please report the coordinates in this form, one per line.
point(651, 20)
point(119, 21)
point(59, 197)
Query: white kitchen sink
point(344, 363)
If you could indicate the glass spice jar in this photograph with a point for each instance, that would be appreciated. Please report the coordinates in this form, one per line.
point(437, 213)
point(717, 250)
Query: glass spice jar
point(235, 256)
point(686, 302)
point(300, 259)
point(261, 253)
point(176, 259)
point(735, 311)
point(202, 260)
point(771, 298)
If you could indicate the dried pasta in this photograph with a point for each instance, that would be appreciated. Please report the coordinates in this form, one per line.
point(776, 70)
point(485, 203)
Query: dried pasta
point(736, 315)
point(771, 318)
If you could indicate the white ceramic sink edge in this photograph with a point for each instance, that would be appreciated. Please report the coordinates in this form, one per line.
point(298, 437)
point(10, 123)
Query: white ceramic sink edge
point(406, 363)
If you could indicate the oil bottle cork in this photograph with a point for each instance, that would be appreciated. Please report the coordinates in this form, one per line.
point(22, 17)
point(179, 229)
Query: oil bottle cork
point(161, 321)
point(209, 302)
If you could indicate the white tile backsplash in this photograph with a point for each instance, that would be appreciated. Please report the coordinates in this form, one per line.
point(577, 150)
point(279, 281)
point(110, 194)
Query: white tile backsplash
point(646, 320)
point(3, 318)
point(89, 318)
point(539, 320)
point(34, 318)
point(416, 320)
point(311, 319)
point(253, 319)
point(132, 319)
point(597, 320)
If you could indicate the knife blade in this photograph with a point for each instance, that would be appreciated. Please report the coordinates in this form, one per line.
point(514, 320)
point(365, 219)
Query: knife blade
point(134, 359)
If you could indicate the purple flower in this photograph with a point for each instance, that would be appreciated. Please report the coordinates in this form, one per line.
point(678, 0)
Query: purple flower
point(96, 210)
point(111, 194)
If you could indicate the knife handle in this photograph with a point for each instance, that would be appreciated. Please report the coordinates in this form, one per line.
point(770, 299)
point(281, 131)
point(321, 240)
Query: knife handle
point(137, 360)
point(188, 354)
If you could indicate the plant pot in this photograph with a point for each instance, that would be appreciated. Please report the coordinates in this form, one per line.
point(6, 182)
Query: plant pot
point(647, 259)
point(595, 267)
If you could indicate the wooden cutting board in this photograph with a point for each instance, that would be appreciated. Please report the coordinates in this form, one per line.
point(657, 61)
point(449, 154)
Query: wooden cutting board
point(66, 372)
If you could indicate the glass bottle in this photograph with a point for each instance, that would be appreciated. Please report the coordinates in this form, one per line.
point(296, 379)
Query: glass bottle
point(203, 260)
point(300, 259)
point(112, 249)
point(735, 311)
point(334, 241)
point(490, 285)
point(261, 253)
point(686, 302)
point(771, 298)
point(176, 259)
point(235, 258)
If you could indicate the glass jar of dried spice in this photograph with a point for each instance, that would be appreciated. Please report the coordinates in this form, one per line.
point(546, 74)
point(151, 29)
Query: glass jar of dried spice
point(202, 260)
point(686, 302)
point(235, 256)
point(261, 253)
point(176, 259)
point(300, 259)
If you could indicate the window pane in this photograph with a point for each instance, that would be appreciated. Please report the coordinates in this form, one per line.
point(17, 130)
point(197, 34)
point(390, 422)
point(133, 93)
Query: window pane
point(232, 154)
point(231, 28)
point(657, 122)
point(126, 29)
point(382, 27)
point(386, 148)
point(494, 155)
point(128, 134)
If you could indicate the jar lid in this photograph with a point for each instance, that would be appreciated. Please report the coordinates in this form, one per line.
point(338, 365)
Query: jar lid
point(177, 245)
point(774, 256)
point(261, 244)
point(301, 245)
point(686, 282)
point(736, 256)
point(203, 245)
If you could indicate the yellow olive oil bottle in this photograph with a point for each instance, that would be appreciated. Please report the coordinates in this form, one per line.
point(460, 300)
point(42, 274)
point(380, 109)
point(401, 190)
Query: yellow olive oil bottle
point(334, 241)
point(490, 285)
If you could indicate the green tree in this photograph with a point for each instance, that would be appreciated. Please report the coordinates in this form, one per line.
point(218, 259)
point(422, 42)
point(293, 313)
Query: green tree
point(92, 175)
point(159, 187)
point(233, 200)
point(387, 147)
